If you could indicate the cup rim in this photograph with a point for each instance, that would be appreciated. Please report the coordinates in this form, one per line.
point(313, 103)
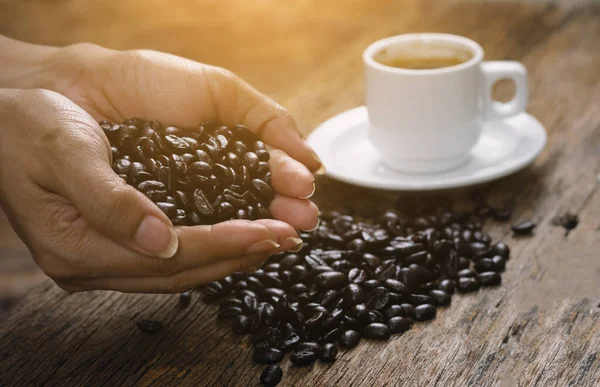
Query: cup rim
point(375, 47)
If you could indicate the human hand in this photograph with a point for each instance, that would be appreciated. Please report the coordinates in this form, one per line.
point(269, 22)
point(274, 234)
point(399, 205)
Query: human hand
point(89, 238)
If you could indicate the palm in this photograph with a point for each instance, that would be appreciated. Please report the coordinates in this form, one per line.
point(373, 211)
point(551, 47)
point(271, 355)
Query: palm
point(184, 93)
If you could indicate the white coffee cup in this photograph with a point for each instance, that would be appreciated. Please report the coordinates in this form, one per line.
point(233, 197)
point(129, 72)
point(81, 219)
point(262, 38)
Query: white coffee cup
point(427, 120)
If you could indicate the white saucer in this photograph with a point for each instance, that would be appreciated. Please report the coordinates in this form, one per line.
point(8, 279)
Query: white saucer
point(504, 147)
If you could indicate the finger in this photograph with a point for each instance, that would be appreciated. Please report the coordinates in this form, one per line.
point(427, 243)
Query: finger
point(118, 210)
point(198, 246)
point(179, 282)
point(301, 214)
point(287, 236)
point(290, 177)
point(200, 92)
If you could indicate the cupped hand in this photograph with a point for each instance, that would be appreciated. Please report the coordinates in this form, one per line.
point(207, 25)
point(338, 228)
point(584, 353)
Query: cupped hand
point(85, 227)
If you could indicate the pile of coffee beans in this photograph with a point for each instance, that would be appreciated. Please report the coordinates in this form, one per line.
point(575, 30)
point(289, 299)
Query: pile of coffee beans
point(201, 175)
point(357, 278)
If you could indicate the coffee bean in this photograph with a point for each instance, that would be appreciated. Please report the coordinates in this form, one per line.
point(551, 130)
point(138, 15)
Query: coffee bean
point(202, 204)
point(378, 298)
point(359, 312)
point(241, 324)
point(467, 284)
point(447, 286)
point(331, 280)
point(377, 331)
point(425, 312)
point(169, 209)
point(271, 376)
point(409, 310)
point(263, 189)
point(329, 353)
point(304, 357)
point(440, 297)
point(489, 278)
point(309, 346)
point(399, 324)
point(523, 228)
point(353, 294)
point(267, 355)
point(502, 250)
point(149, 326)
point(349, 338)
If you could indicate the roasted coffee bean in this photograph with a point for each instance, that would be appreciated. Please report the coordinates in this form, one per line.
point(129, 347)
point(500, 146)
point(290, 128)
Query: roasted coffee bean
point(353, 294)
point(358, 276)
point(447, 286)
point(271, 376)
point(241, 324)
point(377, 298)
point(440, 297)
point(419, 299)
point(330, 336)
point(374, 316)
point(359, 312)
point(399, 324)
point(489, 278)
point(425, 312)
point(309, 346)
point(350, 338)
point(202, 204)
point(331, 280)
point(329, 353)
point(149, 326)
point(466, 273)
point(377, 331)
point(467, 284)
point(267, 355)
point(409, 310)
point(303, 358)
point(288, 342)
point(230, 312)
point(523, 228)
point(502, 250)
point(395, 286)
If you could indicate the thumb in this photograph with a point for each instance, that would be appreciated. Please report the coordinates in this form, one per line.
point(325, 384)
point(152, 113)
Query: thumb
point(119, 211)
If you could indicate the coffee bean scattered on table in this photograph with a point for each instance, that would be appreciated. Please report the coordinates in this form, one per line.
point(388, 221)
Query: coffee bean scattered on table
point(358, 278)
point(149, 326)
point(202, 175)
point(523, 228)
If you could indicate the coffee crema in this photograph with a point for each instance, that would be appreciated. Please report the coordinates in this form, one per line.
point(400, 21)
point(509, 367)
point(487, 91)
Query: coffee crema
point(423, 57)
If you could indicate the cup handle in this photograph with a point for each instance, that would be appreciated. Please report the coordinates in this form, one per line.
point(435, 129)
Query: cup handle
point(492, 72)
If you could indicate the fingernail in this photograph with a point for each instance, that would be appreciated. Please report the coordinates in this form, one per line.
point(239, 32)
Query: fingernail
point(316, 227)
point(321, 170)
point(311, 194)
point(156, 237)
point(296, 244)
point(262, 247)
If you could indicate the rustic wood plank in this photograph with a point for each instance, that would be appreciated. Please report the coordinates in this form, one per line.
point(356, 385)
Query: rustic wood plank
point(542, 327)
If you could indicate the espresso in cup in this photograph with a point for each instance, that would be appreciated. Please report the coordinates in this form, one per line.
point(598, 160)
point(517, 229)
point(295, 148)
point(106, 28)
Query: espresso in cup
point(423, 56)
point(428, 96)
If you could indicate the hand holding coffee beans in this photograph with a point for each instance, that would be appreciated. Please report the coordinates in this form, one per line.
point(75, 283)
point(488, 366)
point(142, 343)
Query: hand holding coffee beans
point(87, 228)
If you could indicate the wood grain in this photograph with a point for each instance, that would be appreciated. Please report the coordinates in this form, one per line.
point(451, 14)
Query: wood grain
point(541, 327)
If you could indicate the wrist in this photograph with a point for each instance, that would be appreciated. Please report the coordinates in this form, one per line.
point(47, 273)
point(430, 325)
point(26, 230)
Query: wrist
point(31, 66)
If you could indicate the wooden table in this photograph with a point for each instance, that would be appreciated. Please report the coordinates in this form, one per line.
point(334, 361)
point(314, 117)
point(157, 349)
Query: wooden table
point(542, 327)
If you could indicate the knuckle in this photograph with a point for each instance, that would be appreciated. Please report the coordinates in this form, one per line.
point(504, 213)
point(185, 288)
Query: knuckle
point(117, 198)
point(178, 284)
point(163, 267)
